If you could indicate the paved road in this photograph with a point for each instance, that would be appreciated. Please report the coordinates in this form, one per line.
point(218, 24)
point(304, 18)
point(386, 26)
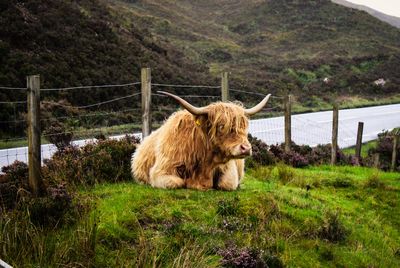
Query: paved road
point(311, 129)
point(316, 128)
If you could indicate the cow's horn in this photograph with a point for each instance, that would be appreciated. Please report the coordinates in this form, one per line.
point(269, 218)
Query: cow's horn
point(258, 107)
point(192, 109)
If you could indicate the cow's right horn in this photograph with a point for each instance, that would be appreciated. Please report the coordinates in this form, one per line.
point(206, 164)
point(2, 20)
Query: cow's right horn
point(258, 107)
point(192, 109)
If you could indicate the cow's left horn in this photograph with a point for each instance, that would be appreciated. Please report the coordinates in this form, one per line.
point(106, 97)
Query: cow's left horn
point(192, 109)
point(258, 107)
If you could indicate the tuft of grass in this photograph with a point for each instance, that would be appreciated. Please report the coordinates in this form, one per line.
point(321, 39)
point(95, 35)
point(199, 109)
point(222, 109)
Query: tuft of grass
point(374, 181)
point(343, 182)
point(228, 207)
point(332, 228)
point(263, 173)
point(286, 173)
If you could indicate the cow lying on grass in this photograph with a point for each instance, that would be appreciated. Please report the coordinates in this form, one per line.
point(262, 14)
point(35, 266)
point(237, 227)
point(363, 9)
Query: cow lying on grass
point(198, 148)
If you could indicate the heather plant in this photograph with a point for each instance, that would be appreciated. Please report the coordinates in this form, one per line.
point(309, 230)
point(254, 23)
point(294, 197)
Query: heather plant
point(295, 159)
point(384, 148)
point(58, 135)
point(261, 153)
point(298, 156)
point(232, 256)
point(50, 209)
point(321, 154)
point(13, 184)
point(102, 161)
point(16, 172)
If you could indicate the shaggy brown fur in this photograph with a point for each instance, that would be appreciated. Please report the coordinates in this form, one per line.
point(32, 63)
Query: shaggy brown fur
point(190, 151)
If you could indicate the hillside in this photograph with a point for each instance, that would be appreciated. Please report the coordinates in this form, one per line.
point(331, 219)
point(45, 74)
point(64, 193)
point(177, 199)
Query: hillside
point(392, 20)
point(282, 45)
point(72, 43)
point(279, 45)
point(268, 46)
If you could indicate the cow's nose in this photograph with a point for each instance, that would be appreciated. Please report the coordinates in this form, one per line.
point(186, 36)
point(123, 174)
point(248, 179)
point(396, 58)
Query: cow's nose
point(245, 149)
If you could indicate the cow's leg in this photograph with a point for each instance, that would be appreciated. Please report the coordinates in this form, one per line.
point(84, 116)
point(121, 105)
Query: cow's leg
point(202, 183)
point(232, 173)
point(159, 179)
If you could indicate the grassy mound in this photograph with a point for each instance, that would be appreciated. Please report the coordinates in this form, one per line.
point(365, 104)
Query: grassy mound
point(317, 216)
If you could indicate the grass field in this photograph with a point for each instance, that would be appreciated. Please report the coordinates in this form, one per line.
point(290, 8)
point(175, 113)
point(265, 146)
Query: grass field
point(313, 217)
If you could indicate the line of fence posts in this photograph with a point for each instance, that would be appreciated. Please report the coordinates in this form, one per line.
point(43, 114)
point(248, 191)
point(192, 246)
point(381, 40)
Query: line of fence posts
point(34, 150)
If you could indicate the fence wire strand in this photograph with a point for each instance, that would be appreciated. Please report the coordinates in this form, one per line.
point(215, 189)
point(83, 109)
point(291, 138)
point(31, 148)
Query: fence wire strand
point(184, 86)
point(12, 88)
point(90, 87)
point(95, 104)
point(13, 102)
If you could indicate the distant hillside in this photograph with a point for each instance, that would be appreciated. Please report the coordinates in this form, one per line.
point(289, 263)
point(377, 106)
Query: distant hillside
point(277, 45)
point(273, 46)
point(392, 20)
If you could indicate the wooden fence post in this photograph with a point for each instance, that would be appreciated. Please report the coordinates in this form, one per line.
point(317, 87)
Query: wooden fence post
point(146, 101)
point(34, 152)
point(359, 140)
point(288, 122)
point(376, 161)
point(335, 128)
point(394, 153)
point(224, 87)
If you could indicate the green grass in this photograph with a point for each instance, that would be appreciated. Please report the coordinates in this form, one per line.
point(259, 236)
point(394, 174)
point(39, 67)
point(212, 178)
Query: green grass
point(364, 148)
point(349, 217)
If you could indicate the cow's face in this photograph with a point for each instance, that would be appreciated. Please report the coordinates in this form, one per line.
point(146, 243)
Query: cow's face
point(227, 130)
point(225, 125)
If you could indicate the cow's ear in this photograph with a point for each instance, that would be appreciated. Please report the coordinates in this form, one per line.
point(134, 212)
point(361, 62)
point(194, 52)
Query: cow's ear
point(201, 120)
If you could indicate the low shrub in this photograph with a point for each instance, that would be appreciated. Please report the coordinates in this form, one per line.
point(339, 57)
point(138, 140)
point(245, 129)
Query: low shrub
point(58, 135)
point(102, 161)
point(295, 159)
point(321, 154)
point(261, 153)
point(13, 184)
point(384, 148)
point(232, 256)
point(51, 209)
point(299, 155)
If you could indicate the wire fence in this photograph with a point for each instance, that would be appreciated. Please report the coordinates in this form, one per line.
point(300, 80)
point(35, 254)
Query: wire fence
point(123, 114)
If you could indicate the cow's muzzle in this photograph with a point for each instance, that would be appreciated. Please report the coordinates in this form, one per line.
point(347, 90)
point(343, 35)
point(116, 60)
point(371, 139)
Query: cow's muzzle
point(243, 150)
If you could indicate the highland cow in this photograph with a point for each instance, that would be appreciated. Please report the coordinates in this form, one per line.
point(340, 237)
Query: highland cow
point(198, 148)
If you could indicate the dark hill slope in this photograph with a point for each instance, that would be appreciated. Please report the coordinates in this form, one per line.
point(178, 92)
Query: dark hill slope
point(80, 43)
point(279, 44)
point(267, 45)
